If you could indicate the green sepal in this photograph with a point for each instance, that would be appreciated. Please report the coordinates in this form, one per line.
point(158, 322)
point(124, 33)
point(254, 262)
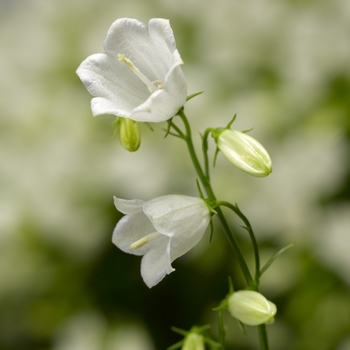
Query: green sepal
point(215, 156)
point(246, 131)
point(222, 306)
point(189, 97)
point(241, 327)
point(117, 124)
point(167, 130)
point(194, 329)
point(176, 345)
point(228, 126)
point(148, 126)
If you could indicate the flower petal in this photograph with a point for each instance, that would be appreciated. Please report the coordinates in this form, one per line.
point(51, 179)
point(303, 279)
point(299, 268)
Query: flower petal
point(125, 206)
point(183, 218)
point(116, 88)
point(182, 243)
point(155, 264)
point(177, 214)
point(164, 103)
point(129, 230)
point(161, 33)
point(146, 48)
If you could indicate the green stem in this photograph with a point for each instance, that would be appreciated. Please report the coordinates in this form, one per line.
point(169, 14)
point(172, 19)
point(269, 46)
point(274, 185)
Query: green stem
point(222, 332)
point(205, 152)
point(264, 345)
point(207, 186)
point(249, 228)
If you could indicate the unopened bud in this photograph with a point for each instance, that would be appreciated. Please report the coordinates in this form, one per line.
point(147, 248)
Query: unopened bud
point(251, 308)
point(129, 134)
point(244, 151)
point(193, 341)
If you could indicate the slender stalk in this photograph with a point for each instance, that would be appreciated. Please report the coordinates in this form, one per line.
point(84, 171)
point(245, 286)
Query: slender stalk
point(249, 228)
point(222, 332)
point(264, 345)
point(207, 186)
point(205, 152)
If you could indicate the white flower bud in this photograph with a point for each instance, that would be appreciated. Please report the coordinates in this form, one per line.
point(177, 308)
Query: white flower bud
point(245, 152)
point(193, 341)
point(251, 308)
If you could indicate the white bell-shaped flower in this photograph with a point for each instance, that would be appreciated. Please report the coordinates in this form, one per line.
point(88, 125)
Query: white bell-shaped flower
point(161, 230)
point(139, 75)
point(251, 308)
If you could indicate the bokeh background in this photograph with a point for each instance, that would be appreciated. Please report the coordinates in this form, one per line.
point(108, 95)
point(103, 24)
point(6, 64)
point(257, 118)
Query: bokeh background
point(282, 65)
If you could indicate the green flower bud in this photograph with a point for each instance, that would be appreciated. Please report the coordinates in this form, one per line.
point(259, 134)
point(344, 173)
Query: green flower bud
point(243, 151)
point(129, 134)
point(251, 308)
point(193, 341)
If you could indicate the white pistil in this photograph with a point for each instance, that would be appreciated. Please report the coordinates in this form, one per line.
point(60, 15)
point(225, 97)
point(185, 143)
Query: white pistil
point(144, 240)
point(151, 87)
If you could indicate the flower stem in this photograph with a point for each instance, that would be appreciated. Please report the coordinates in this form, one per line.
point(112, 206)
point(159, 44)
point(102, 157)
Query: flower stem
point(264, 345)
point(249, 228)
point(207, 186)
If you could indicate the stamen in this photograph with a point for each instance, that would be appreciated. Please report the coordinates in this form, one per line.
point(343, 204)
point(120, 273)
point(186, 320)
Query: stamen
point(151, 87)
point(159, 84)
point(144, 240)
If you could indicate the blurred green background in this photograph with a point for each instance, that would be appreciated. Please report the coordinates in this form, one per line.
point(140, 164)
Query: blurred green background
point(282, 65)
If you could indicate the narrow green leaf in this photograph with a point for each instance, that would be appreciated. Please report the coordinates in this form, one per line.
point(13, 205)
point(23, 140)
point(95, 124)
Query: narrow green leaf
point(272, 259)
point(176, 346)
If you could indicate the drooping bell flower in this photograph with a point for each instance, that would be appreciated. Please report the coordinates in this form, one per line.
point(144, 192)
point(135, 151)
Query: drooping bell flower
point(161, 230)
